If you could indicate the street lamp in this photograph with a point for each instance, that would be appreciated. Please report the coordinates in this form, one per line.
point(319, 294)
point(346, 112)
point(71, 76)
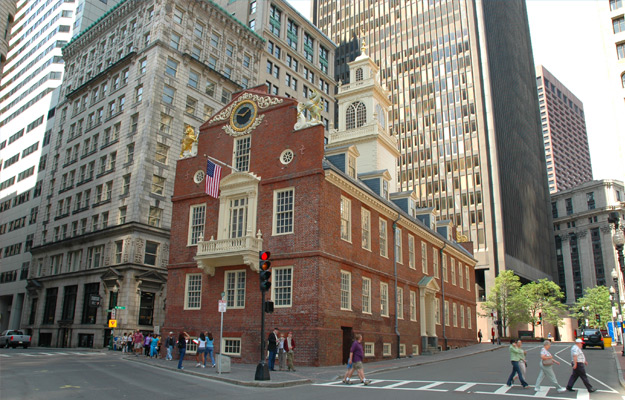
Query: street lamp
point(617, 337)
point(619, 242)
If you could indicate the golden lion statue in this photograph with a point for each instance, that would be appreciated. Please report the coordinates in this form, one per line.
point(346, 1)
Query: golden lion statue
point(188, 140)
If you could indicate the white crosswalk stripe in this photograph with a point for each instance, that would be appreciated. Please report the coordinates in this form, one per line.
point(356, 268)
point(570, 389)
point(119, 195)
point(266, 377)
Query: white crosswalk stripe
point(545, 392)
point(32, 354)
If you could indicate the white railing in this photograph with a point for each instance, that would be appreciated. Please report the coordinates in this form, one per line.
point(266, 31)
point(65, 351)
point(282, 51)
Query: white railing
point(222, 246)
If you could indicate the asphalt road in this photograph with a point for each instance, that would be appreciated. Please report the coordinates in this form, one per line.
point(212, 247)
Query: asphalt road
point(52, 374)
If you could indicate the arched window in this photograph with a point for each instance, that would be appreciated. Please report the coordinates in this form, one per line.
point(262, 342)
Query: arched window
point(623, 80)
point(359, 74)
point(381, 115)
point(356, 115)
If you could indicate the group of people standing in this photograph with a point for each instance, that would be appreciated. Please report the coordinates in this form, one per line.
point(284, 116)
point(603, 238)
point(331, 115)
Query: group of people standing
point(519, 365)
point(205, 348)
point(149, 345)
point(283, 347)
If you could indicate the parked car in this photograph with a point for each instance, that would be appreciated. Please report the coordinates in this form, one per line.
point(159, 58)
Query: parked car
point(14, 338)
point(592, 338)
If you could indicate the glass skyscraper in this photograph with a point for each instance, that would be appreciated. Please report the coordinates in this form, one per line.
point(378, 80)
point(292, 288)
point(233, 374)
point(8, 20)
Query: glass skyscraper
point(465, 113)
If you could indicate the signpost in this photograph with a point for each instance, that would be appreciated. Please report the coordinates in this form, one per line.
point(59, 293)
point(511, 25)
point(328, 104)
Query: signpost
point(222, 309)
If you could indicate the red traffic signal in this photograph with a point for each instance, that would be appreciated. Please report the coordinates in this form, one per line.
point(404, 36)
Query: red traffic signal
point(265, 274)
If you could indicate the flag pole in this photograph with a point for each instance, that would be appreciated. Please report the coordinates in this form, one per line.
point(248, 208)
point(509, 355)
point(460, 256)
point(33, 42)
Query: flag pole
point(222, 163)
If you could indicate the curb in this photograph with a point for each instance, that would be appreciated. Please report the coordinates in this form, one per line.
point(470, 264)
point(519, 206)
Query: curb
point(425, 362)
point(229, 380)
point(619, 370)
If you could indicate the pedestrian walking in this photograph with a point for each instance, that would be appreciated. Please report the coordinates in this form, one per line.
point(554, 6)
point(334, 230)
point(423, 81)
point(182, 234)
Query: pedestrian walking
point(210, 347)
point(546, 367)
point(153, 346)
point(523, 361)
point(492, 335)
point(579, 367)
point(281, 353)
point(169, 346)
point(356, 355)
point(289, 348)
point(516, 355)
point(137, 340)
point(273, 348)
point(201, 349)
point(479, 336)
point(183, 338)
point(146, 345)
point(124, 342)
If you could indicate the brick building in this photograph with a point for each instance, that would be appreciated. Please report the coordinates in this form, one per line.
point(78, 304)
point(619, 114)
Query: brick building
point(329, 214)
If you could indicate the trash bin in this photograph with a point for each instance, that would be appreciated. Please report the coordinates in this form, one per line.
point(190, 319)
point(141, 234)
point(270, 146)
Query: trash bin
point(607, 341)
point(223, 363)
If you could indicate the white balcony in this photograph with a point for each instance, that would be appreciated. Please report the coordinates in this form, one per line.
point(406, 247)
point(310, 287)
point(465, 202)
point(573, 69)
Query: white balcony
point(226, 252)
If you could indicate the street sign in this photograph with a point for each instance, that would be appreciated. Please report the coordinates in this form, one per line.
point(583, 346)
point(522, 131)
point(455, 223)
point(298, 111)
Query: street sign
point(120, 308)
point(222, 306)
point(112, 323)
point(94, 300)
point(113, 314)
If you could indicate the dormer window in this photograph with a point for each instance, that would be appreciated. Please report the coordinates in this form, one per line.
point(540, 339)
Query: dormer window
point(351, 166)
point(356, 115)
point(359, 74)
point(385, 189)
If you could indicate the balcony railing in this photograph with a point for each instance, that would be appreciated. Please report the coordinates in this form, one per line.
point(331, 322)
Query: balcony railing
point(226, 252)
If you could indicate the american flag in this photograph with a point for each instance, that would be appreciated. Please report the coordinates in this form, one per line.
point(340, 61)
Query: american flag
point(213, 176)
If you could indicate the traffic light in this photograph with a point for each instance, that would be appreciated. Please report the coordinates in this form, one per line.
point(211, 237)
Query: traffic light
point(540, 318)
point(265, 273)
point(598, 318)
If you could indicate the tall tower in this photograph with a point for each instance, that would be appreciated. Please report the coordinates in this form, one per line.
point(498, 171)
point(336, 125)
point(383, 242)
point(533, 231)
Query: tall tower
point(363, 111)
point(465, 114)
point(564, 132)
point(33, 69)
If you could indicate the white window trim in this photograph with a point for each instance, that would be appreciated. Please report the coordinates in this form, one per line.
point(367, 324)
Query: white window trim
point(349, 295)
point(186, 292)
point(467, 277)
point(191, 209)
point(223, 346)
point(273, 288)
point(370, 353)
point(415, 349)
point(411, 252)
point(454, 308)
point(387, 350)
point(446, 313)
point(437, 312)
point(369, 299)
point(400, 303)
point(348, 204)
point(382, 221)
point(452, 270)
point(235, 272)
point(275, 212)
point(399, 248)
point(469, 321)
point(460, 275)
point(382, 285)
point(462, 317)
point(424, 258)
point(413, 296)
point(366, 213)
point(234, 186)
point(402, 350)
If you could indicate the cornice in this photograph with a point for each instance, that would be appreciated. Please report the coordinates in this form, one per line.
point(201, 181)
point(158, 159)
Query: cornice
point(370, 200)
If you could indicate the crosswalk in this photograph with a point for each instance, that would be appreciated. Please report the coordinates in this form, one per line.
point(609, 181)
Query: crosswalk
point(546, 392)
point(44, 354)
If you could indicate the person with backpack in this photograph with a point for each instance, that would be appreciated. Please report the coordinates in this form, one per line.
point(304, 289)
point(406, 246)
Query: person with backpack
point(169, 345)
point(183, 338)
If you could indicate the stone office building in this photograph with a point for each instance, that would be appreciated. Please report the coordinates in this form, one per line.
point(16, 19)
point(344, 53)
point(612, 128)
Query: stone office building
point(584, 249)
point(135, 81)
point(350, 254)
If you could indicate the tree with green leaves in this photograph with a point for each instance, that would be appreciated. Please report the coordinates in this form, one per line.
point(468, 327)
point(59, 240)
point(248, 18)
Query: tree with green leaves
point(504, 298)
point(541, 299)
point(596, 301)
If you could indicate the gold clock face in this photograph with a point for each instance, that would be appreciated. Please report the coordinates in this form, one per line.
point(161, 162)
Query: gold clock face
point(243, 115)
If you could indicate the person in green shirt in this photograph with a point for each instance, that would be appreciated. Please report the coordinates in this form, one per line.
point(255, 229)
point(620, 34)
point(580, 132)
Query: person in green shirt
point(516, 355)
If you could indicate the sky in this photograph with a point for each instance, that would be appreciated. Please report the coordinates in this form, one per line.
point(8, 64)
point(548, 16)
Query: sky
point(567, 40)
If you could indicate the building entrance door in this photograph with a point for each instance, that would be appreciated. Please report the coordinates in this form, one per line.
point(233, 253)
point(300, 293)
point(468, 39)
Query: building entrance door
point(348, 337)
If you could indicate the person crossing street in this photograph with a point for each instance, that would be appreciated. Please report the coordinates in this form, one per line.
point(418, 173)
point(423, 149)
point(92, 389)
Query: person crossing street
point(579, 367)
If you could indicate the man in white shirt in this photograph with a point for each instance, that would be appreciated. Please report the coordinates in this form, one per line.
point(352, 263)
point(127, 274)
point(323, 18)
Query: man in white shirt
point(579, 367)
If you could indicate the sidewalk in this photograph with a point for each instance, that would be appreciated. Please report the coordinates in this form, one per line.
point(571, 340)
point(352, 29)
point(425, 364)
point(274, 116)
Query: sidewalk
point(620, 363)
point(243, 374)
